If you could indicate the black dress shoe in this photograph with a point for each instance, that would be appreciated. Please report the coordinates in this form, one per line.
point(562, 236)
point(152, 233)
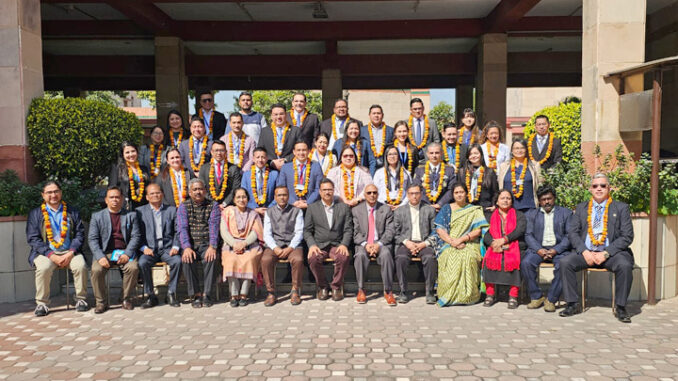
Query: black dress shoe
point(402, 298)
point(489, 301)
point(207, 302)
point(571, 310)
point(152, 301)
point(622, 315)
point(431, 298)
point(197, 302)
point(172, 300)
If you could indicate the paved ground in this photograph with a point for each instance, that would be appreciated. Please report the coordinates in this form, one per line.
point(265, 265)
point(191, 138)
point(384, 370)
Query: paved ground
point(339, 341)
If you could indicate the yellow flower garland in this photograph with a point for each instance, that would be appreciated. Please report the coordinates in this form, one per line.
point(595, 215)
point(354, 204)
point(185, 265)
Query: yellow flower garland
point(349, 191)
point(202, 153)
point(330, 164)
point(334, 124)
point(231, 153)
point(424, 138)
point(303, 118)
point(155, 163)
point(307, 172)
point(518, 191)
point(253, 182)
point(135, 196)
point(211, 116)
point(456, 154)
point(492, 155)
point(427, 182)
point(48, 225)
point(383, 140)
point(480, 185)
point(175, 190)
point(548, 149)
point(275, 137)
point(401, 177)
point(603, 235)
point(224, 184)
point(178, 141)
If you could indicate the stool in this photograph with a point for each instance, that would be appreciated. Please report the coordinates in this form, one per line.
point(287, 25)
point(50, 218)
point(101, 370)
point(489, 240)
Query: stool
point(584, 286)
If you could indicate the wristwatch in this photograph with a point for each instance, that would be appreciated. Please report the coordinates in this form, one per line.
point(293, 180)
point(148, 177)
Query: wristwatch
point(606, 254)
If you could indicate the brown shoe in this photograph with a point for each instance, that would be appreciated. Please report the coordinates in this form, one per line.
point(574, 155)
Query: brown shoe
point(337, 295)
point(127, 305)
point(323, 294)
point(362, 298)
point(390, 299)
point(100, 308)
point(549, 307)
point(270, 300)
point(536, 303)
point(295, 299)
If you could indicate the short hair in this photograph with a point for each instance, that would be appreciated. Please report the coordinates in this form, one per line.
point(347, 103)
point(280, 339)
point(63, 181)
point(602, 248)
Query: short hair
point(458, 184)
point(245, 93)
point(416, 100)
point(219, 142)
point(195, 180)
point(299, 93)
point(433, 144)
point(281, 187)
point(196, 118)
point(152, 185)
point(113, 188)
point(545, 189)
point(50, 182)
point(325, 181)
point(376, 106)
point(236, 115)
point(413, 185)
point(202, 92)
point(278, 105)
point(449, 125)
point(247, 194)
point(301, 142)
point(600, 175)
point(340, 100)
point(542, 116)
point(260, 149)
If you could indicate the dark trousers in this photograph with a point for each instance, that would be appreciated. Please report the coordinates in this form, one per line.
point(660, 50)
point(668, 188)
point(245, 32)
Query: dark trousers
point(340, 265)
point(191, 272)
point(361, 261)
point(621, 264)
point(428, 260)
point(528, 268)
point(268, 261)
point(146, 263)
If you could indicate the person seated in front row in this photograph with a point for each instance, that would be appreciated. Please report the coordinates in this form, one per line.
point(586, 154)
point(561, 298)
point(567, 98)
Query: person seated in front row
point(373, 238)
point(547, 241)
point(160, 243)
point(55, 233)
point(435, 177)
point(114, 238)
point(328, 231)
point(600, 232)
point(198, 226)
point(413, 229)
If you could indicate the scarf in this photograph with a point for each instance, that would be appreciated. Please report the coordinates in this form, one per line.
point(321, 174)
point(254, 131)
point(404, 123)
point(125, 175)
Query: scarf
point(512, 254)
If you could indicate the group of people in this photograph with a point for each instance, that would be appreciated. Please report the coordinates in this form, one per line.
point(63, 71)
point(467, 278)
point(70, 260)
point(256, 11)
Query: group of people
point(245, 195)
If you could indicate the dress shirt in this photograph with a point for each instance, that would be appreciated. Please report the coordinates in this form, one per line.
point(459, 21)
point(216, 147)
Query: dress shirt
point(298, 231)
point(206, 116)
point(435, 169)
point(474, 182)
point(329, 212)
point(549, 238)
point(376, 234)
point(297, 117)
point(379, 181)
point(376, 134)
point(414, 213)
point(157, 219)
point(197, 149)
point(599, 230)
point(541, 141)
point(236, 149)
point(56, 219)
point(180, 185)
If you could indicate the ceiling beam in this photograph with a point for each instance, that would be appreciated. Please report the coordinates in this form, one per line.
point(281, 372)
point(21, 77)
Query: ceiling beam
point(146, 15)
point(506, 14)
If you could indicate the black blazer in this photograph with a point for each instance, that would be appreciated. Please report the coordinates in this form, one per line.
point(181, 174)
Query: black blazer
point(309, 129)
point(463, 149)
point(556, 153)
point(232, 183)
point(619, 228)
point(219, 125)
point(534, 234)
point(518, 234)
point(121, 180)
point(170, 237)
point(490, 187)
point(449, 179)
point(316, 230)
point(266, 142)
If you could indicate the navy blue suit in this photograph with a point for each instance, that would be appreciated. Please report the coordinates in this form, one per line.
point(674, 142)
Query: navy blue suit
point(366, 158)
point(534, 235)
point(35, 231)
point(388, 139)
point(161, 249)
point(286, 178)
point(246, 183)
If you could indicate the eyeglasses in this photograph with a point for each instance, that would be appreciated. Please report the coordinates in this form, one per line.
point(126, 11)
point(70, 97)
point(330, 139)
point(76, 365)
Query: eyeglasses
point(156, 133)
point(371, 192)
point(206, 100)
point(348, 155)
point(596, 186)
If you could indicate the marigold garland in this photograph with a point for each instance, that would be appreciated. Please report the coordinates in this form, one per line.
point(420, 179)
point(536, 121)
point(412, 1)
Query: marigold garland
point(518, 190)
point(134, 195)
point(179, 139)
point(334, 124)
point(264, 186)
point(424, 138)
point(401, 177)
point(349, 191)
point(303, 118)
point(426, 182)
point(155, 163)
point(231, 152)
point(48, 225)
point(358, 151)
point(175, 190)
point(603, 236)
point(548, 149)
point(329, 165)
point(202, 153)
point(456, 153)
point(307, 172)
point(492, 155)
point(274, 128)
point(410, 160)
point(213, 188)
point(479, 188)
point(211, 116)
point(383, 140)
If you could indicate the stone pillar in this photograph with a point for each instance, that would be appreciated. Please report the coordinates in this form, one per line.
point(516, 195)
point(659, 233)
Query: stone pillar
point(463, 99)
point(171, 82)
point(21, 79)
point(613, 39)
point(332, 90)
point(491, 78)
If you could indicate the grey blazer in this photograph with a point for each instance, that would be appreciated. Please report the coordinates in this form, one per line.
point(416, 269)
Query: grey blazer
point(383, 218)
point(100, 232)
point(170, 237)
point(403, 223)
point(317, 231)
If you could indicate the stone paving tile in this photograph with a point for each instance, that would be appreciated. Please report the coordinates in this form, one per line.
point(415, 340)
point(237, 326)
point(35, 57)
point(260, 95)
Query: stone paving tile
point(338, 341)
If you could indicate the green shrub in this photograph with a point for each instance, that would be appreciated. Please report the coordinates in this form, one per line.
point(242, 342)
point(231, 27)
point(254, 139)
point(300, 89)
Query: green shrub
point(74, 138)
point(565, 121)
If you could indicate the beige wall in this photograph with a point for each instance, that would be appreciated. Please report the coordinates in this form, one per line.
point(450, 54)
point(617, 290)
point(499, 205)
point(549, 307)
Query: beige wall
point(527, 101)
point(396, 103)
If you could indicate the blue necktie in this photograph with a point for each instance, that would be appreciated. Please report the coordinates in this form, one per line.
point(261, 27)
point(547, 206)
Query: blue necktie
point(598, 220)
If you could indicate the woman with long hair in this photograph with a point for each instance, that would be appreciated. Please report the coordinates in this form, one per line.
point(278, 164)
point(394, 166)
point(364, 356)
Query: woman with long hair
point(130, 176)
point(392, 179)
point(321, 154)
point(174, 179)
point(176, 129)
point(494, 151)
point(480, 181)
point(469, 133)
point(152, 155)
point(521, 176)
point(359, 144)
point(349, 178)
point(407, 152)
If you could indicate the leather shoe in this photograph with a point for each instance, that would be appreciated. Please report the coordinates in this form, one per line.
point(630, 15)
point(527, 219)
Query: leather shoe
point(571, 310)
point(402, 298)
point(361, 298)
point(295, 299)
point(622, 315)
point(270, 300)
point(323, 294)
point(127, 305)
point(152, 301)
point(172, 300)
point(512, 303)
point(197, 302)
point(390, 299)
point(207, 302)
point(489, 301)
point(100, 308)
point(337, 295)
point(430, 298)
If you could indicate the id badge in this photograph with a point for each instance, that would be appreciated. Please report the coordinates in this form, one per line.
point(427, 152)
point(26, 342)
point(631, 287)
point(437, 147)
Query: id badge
point(519, 182)
point(299, 187)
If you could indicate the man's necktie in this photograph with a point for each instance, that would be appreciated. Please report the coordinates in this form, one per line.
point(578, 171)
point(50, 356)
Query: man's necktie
point(219, 174)
point(418, 130)
point(598, 220)
point(301, 174)
point(260, 182)
point(370, 227)
point(196, 151)
point(434, 178)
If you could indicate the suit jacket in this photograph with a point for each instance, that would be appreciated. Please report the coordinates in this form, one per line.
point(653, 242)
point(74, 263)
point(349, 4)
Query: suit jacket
point(218, 127)
point(316, 230)
point(534, 233)
point(185, 154)
point(246, 183)
point(403, 223)
point(166, 185)
point(247, 159)
point(266, 142)
point(122, 181)
point(170, 237)
point(448, 180)
point(145, 157)
point(366, 158)
point(326, 125)
point(37, 238)
point(383, 223)
point(100, 232)
point(619, 228)
point(463, 150)
point(556, 153)
point(232, 183)
point(309, 128)
point(286, 178)
point(433, 135)
point(388, 139)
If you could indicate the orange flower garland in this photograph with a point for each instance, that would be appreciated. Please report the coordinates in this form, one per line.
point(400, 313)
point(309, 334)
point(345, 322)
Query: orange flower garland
point(303, 117)
point(456, 154)
point(213, 188)
point(383, 140)
point(427, 183)
point(410, 160)
point(603, 235)
point(231, 152)
point(424, 138)
point(275, 137)
point(492, 155)
point(155, 163)
point(307, 172)
point(175, 190)
point(48, 225)
point(264, 186)
point(178, 141)
point(518, 190)
point(349, 191)
point(329, 165)
point(202, 153)
point(211, 116)
point(401, 177)
point(471, 198)
point(134, 195)
point(548, 149)
point(334, 124)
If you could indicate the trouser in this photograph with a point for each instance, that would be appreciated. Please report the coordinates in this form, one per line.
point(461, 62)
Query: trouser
point(191, 272)
point(340, 265)
point(238, 288)
point(130, 274)
point(146, 263)
point(361, 261)
point(403, 256)
point(621, 264)
point(268, 261)
point(528, 268)
point(44, 268)
point(490, 290)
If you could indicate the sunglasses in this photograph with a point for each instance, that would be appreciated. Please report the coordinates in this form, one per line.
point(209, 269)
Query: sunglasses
point(596, 186)
point(206, 100)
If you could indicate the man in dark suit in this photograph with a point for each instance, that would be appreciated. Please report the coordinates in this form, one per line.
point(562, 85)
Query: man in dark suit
point(264, 179)
point(160, 243)
point(378, 133)
point(547, 241)
point(114, 238)
point(413, 229)
point(335, 126)
point(301, 182)
point(278, 139)
point(373, 238)
point(328, 230)
point(435, 177)
point(540, 143)
point(417, 121)
point(220, 178)
point(307, 124)
point(599, 245)
point(215, 122)
point(449, 147)
point(199, 144)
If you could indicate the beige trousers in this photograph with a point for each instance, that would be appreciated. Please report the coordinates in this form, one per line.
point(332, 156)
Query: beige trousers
point(44, 268)
point(130, 274)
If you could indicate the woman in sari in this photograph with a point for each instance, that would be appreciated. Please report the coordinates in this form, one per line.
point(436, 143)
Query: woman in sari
point(458, 229)
point(242, 232)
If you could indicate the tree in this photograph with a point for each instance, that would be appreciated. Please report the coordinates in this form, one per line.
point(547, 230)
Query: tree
point(148, 95)
point(442, 113)
point(263, 100)
point(110, 97)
